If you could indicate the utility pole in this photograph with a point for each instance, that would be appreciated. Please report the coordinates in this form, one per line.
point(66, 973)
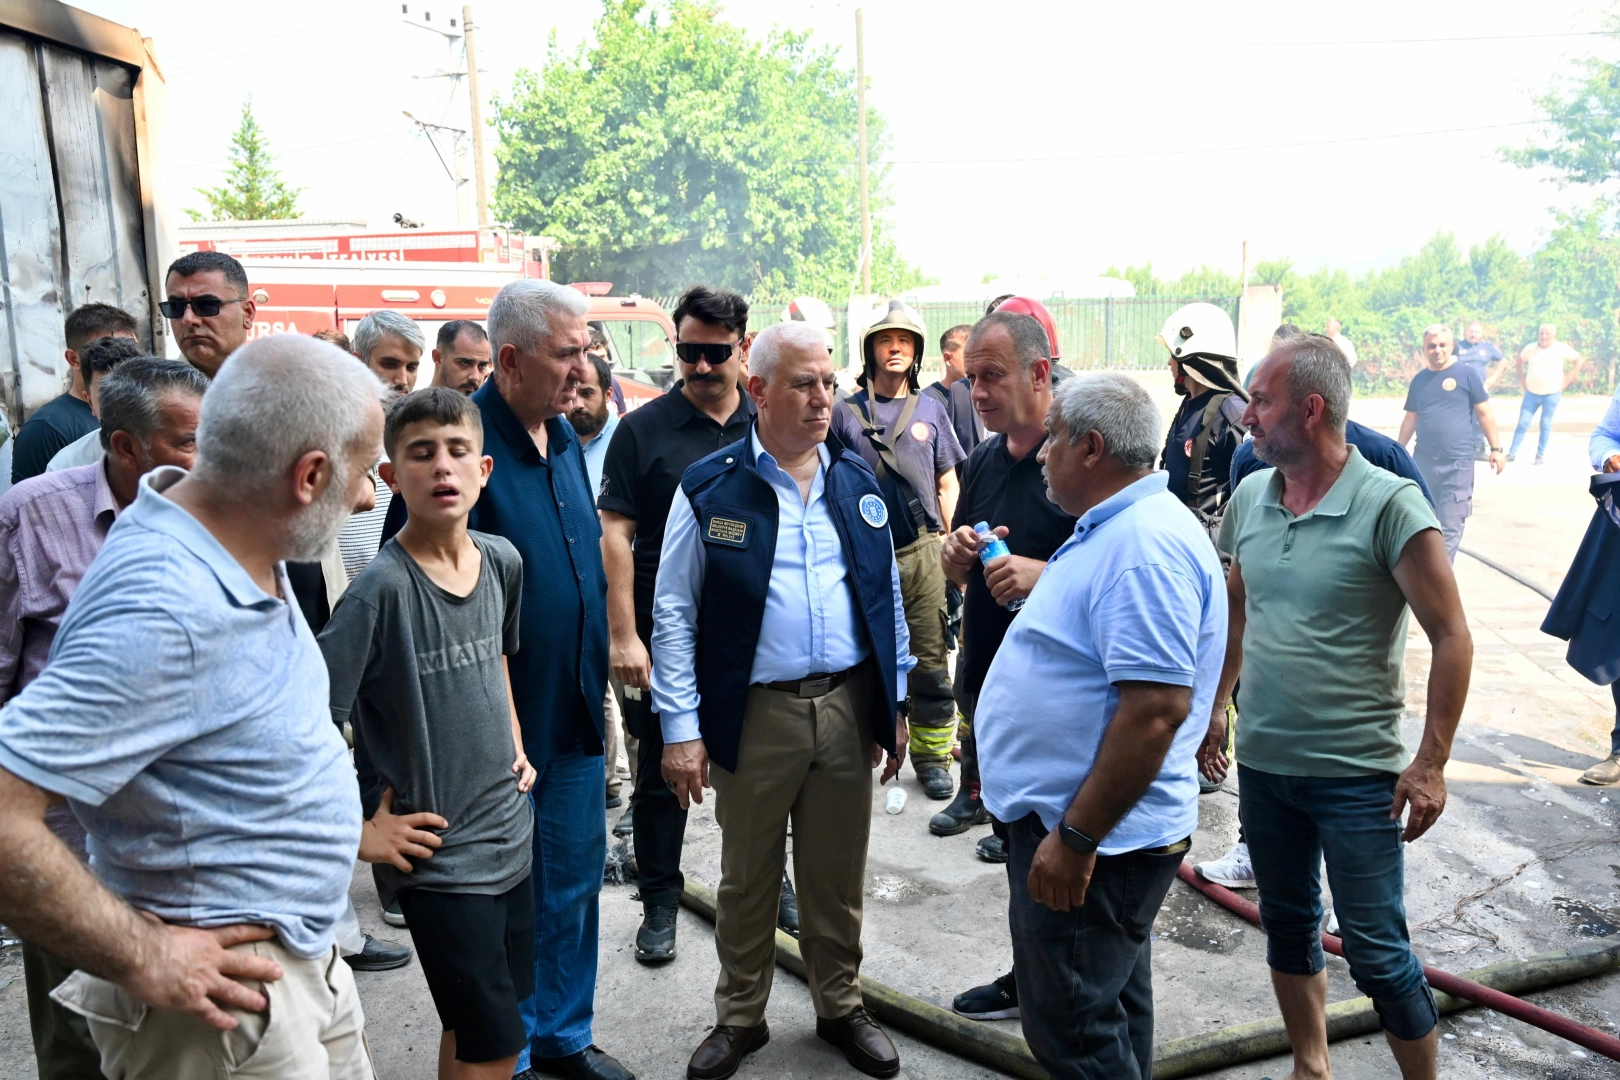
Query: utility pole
point(860, 127)
point(477, 115)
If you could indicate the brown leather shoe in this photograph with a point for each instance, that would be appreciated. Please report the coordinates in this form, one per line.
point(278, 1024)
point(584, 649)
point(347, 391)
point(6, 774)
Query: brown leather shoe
point(862, 1042)
point(718, 1055)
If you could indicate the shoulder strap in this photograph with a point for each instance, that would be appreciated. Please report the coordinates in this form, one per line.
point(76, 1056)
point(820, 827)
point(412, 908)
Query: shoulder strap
point(887, 462)
point(1195, 474)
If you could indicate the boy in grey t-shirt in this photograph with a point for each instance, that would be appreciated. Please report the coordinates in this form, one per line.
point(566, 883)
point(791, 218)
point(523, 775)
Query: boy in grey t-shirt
point(417, 655)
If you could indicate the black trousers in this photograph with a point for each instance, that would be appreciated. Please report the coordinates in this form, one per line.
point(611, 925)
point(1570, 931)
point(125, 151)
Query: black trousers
point(659, 822)
point(1085, 978)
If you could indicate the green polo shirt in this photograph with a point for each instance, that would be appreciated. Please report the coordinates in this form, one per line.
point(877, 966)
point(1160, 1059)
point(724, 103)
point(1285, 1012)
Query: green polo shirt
point(1322, 687)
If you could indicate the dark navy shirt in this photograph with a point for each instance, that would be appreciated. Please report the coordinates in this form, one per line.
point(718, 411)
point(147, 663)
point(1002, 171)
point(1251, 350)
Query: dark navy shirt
point(1218, 456)
point(1480, 356)
point(1444, 401)
point(926, 450)
point(52, 426)
point(958, 401)
point(1380, 450)
point(544, 506)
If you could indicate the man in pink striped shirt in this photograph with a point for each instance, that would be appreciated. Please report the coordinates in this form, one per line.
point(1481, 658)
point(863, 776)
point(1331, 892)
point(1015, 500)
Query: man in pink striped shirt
point(51, 527)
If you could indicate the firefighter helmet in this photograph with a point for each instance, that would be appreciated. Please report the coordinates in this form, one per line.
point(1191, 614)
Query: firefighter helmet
point(1201, 339)
point(1023, 305)
point(808, 309)
point(896, 315)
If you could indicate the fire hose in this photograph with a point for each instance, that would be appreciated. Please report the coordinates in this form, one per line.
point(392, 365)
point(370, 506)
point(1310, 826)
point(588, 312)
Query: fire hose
point(1455, 985)
point(1007, 1053)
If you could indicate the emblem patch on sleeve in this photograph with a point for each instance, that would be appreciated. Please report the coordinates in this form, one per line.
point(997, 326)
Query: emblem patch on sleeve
point(722, 530)
point(873, 512)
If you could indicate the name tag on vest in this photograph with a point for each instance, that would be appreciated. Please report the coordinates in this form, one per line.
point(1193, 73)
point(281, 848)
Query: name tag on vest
point(733, 532)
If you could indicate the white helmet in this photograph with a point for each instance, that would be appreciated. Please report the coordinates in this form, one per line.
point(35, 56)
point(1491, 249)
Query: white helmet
point(808, 309)
point(1200, 330)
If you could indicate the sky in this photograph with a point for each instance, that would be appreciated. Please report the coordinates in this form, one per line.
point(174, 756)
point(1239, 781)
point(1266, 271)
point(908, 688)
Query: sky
point(1026, 139)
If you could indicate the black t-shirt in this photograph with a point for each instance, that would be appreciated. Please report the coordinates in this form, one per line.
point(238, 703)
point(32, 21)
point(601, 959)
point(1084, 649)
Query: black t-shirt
point(651, 448)
point(1444, 401)
point(1001, 491)
point(54, 424)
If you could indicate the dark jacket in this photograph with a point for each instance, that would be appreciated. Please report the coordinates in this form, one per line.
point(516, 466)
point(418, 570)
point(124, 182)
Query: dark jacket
point(1586, 611)
point(740, 551)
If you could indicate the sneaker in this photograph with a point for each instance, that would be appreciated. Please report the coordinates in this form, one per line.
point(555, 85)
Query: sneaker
point(614, 802)
point(965, 811)
point(936, 782)
point(1512, 457)
point(1206, 786)
point(1332, 923)
point(992, 1001)
point(991, 849)
point(626, 824)
point(655, 941)
point(379, 955)
point(393, 916)
point(1540, 460)
point(1604, 773)
point(787, 908)
point(1232, 869)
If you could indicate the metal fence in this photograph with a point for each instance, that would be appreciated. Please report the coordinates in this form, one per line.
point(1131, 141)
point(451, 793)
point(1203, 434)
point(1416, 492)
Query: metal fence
point(1092, 333)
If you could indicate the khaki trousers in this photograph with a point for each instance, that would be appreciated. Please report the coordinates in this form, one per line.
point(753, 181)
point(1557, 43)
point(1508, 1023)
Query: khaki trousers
point(808, 760)
point(618, 737)
point(313, 1030)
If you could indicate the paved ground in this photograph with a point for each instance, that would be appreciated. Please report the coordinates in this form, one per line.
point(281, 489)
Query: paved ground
point(1525, 860)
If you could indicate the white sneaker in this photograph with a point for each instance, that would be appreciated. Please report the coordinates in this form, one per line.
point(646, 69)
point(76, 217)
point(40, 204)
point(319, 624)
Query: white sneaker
point(1333, 923)
point(1232, 869)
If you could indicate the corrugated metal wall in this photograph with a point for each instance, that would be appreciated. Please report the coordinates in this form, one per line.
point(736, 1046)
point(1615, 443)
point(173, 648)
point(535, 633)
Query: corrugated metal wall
point(70, 210)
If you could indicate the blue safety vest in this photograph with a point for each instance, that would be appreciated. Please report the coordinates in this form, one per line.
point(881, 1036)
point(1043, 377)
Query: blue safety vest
point(737, 516)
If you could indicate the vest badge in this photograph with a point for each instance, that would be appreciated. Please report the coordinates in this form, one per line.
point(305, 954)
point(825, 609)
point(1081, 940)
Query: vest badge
point(729, 531)
point(873, 512)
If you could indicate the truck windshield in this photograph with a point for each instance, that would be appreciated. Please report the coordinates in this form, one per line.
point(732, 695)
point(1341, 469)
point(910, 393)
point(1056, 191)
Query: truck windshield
point(639, 344)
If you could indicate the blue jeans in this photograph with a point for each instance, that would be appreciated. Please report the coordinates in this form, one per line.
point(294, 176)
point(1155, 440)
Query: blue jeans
point(1292, 823)
point(1548, 404)
point(570, 848)
point(1085, 978)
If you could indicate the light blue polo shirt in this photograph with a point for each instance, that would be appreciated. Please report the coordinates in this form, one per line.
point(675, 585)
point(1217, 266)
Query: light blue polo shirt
point(183, 712)
point(1135, 595)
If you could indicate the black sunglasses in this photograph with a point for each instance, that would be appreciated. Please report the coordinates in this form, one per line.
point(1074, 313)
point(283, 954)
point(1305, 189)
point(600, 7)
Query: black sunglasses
point(691, 352)
point(205, 306)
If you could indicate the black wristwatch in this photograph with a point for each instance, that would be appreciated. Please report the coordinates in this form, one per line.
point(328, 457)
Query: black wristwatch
point(1075, 840)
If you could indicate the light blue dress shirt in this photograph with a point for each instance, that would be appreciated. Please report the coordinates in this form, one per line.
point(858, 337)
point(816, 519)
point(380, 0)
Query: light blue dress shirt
point(184, 713)
point(1135, 595)
point(811, 623)
point(596, 450)
point(1605, 442)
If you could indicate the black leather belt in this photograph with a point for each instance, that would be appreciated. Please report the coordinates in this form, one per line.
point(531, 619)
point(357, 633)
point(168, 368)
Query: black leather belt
point(811, 686)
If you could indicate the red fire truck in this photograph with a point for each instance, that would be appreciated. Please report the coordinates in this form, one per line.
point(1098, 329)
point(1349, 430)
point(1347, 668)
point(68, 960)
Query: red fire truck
point(303, 279)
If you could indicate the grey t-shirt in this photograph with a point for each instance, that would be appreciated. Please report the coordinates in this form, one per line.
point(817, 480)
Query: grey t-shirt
point(418, 670)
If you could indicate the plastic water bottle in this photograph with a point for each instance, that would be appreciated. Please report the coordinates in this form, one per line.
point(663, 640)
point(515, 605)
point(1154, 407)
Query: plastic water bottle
point(896, 801)
point(994, 547)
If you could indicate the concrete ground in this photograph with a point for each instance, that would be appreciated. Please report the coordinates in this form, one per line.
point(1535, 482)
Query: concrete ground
point(1525, 860)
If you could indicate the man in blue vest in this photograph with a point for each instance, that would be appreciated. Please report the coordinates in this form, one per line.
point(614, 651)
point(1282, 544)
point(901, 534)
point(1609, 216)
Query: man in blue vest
point(778, 549)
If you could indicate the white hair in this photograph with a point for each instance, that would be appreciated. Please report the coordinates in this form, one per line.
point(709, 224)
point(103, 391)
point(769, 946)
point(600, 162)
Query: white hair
point(1119, 409)
point(1436, 329)
point(383, 324)
point(1320, 367)
point(277, 399)
point(1547, 326)
point(767, 348)
point(522, 311)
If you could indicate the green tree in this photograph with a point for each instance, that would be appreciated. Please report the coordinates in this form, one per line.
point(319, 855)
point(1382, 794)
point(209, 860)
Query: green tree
point(674, 149)
point(253, 189)
point(1583, 141)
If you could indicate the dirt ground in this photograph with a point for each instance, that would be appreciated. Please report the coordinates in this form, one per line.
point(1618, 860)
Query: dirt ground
point(1525, 860)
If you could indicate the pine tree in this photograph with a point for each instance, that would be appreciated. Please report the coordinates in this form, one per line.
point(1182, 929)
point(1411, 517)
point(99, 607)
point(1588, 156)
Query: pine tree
point(253, 189)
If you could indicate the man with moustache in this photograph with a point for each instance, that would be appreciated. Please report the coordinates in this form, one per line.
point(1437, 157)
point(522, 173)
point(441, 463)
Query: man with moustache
point(653, 446)
point(461, 359)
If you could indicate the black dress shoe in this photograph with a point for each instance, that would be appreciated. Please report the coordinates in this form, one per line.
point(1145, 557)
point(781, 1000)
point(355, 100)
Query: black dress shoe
point(936, 782)
point(590, 1063)
point(655, 941)
point(379, 956)
point(862, 1041)
point(787, 909)
point(965, 811)
point(991, 849)
point(626, 824)
point(718, 1055)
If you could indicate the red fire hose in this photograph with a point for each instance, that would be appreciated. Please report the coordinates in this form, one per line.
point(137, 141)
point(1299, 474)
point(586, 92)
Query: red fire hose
point(1506, 1004)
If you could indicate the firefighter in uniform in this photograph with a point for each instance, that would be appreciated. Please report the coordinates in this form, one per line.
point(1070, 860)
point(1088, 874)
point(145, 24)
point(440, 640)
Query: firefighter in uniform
point(907, 438)
point(1207, 428)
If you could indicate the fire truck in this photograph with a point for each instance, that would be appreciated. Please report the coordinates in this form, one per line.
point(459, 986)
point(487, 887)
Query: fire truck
point(304, 277)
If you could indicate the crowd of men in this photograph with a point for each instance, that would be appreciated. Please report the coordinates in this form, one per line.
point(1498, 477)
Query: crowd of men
point(272, 608)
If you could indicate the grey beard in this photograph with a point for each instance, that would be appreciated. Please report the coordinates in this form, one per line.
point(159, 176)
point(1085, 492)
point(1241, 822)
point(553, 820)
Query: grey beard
point(1278, 448)
point(314, 531)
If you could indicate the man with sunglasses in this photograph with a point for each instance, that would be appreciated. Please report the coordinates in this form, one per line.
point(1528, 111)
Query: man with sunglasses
point(652, 447)
point(208, 308)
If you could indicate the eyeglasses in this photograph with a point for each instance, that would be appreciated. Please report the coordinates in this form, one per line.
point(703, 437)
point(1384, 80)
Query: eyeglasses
point(690, 352)
point(206, 307)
